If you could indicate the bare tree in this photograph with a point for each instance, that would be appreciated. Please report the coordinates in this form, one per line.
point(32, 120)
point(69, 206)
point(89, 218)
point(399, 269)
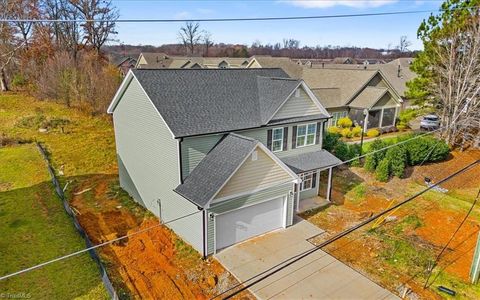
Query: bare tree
point(456, 84)
point(96, 33)
point(7, 42)
point(404, 44)
point(190, 35)
point(208, 42)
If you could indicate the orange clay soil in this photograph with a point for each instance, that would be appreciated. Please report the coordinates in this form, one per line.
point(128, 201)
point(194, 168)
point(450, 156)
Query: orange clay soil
point(438, 224)
point(147, 265)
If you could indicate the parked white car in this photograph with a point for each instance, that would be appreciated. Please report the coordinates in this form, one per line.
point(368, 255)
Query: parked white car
point(430, 122)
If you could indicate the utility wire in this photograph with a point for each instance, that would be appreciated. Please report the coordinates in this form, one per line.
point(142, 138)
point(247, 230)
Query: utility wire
point(171, 221)
point(275, 269)
point(451, 239)
point(94, 247)
point(336, 16)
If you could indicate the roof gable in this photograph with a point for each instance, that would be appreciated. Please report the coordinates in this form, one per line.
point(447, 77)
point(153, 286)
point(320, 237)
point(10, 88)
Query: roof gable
point(298, 105)
point(258, 171)
point(220, 165)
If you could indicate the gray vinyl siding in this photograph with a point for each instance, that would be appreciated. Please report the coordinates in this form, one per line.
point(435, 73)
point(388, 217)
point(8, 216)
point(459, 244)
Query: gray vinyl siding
point(149, 155)
point(127, 183)
point(261, 135)
point(297, 106)
point(228, 205)
point(309, 193)
point(194, 150)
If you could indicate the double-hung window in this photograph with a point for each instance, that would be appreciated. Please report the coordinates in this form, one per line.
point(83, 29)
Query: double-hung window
point(306, 134)
point(277, 139)
point(307, 181)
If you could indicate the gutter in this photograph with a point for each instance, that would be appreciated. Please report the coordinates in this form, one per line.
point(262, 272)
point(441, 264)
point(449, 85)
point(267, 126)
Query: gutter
point(180, 140)
point(249, 128)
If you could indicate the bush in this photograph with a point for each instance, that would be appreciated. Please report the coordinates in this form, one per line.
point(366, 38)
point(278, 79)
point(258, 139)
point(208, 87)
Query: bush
point(346, 132)
point(426, 149)
point(383, 170)
point(333, 129)
point(356, 131)
point(330, 140)
point(345, 122)
point(373, 133)
point(342, 151)
point(401, 126)
point(407, 115)
point(372, 160)
point(397, 156)
point(19, 81)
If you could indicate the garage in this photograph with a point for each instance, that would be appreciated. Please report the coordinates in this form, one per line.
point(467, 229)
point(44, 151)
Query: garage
point(246, 222)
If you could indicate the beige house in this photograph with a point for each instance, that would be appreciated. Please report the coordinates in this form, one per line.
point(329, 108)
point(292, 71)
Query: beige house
point(164, 61)
point(363, 95)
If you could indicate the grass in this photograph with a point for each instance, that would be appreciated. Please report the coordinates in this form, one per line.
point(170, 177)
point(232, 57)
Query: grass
point(86, 145)
point(35, 229)
point(357, 193)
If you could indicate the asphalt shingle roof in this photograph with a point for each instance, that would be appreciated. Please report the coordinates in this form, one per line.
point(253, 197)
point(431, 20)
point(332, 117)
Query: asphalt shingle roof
point(203, 101)
point(216, 168)
point(289, 66)
point(310, 161)
point(368, 97)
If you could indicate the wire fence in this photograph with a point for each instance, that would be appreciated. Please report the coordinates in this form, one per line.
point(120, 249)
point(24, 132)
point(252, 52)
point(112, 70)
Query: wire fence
point(93, 253)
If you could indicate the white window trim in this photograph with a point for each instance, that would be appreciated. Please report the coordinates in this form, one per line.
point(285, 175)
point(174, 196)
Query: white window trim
point(283, 137)
point(306, 134)
point(302, 176)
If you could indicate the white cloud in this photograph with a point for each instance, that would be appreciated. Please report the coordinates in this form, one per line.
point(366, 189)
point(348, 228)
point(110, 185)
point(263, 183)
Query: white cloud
point(205, 11)
point(330, 3)
point(182, 15)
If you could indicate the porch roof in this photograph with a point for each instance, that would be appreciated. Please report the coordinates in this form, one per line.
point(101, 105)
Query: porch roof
point(310, 161)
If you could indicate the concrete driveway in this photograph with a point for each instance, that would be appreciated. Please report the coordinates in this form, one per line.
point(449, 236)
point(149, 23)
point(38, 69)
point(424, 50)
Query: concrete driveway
point(317, 276)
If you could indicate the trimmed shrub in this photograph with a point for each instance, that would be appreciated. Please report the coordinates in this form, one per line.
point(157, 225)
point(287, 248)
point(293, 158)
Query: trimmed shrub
point(356, 131)
point(372, 160)
point(342, 151)
point(346, 132)
point(383, 170)
point(397, 156)
point(440, 152)
point(345, 122)
point(373, 133)
point(330, 140)
point(426, 149)
point(333, 129)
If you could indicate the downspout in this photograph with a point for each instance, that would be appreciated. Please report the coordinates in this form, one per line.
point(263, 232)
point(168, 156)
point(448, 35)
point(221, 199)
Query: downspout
point(180, 140)
point(204, 214)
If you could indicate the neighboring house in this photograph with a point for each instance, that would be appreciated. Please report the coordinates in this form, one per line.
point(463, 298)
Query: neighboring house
point(293, 69)
point(345, 91)
point(353, 92)
point(164, 61)
point(220, 155)
point(125, 64)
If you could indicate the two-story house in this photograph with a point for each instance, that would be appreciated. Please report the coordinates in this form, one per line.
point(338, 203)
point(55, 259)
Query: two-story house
point(219, 155)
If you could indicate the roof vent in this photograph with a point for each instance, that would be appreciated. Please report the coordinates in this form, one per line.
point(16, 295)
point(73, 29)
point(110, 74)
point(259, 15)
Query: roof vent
point(254, 155)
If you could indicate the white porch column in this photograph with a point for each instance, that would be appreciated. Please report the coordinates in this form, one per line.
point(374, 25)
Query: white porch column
point(329, 186)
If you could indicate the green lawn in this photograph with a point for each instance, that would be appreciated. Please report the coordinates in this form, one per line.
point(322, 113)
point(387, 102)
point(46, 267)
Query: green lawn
point(35, 228)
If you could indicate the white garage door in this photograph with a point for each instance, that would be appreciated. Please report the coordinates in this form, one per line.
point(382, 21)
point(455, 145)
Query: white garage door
point(244, 223)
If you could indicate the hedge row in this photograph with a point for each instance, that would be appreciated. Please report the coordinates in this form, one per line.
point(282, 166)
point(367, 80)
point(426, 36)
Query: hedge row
point(393, 161)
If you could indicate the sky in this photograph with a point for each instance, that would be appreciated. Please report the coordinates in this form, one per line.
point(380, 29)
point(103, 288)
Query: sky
point(372, 31)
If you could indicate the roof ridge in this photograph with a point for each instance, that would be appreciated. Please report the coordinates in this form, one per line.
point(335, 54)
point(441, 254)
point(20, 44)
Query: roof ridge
point(242, 137)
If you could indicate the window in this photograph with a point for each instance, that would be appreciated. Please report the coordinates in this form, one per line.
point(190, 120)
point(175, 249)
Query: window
point(306, 134)
point(307, 181)
point(337, 116)
point(277, 139)
point(388, 118)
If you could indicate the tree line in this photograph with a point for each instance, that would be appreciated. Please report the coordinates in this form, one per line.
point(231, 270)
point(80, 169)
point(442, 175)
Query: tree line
point(59, 58)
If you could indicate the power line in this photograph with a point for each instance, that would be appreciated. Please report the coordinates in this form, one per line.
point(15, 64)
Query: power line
point(269, 272)
point(94, 247)
point(451, 239)
point(200, 20)
point(171, 221)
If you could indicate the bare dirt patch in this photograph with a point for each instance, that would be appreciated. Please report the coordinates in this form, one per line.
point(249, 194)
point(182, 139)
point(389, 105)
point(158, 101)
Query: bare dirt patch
point(154, 264)
point(400, 252)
